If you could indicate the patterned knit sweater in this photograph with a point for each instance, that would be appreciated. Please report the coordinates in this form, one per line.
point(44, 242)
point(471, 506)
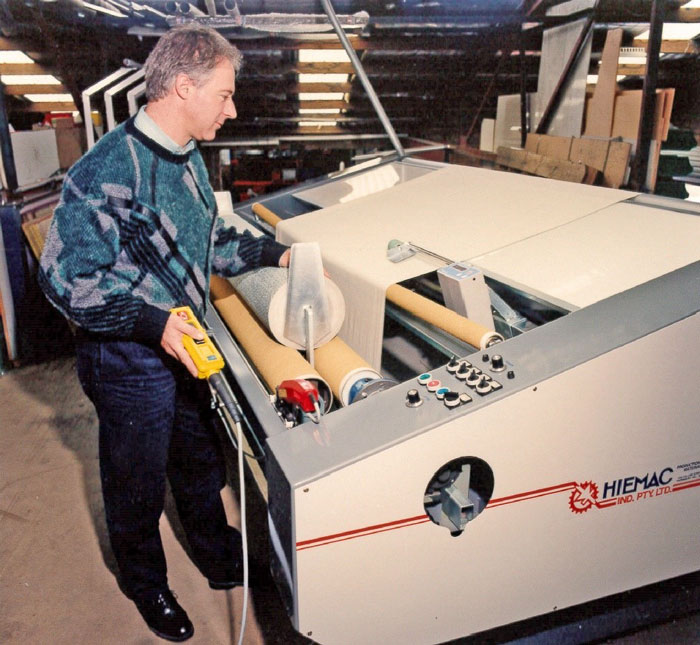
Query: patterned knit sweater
point(135, 234)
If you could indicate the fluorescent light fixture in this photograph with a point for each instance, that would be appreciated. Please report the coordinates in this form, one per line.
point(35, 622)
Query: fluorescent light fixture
point(675, 31)
point(323, 78)
point(323, 56)
point(317, 124)
point(321, 96)
point(632, 60)
point(319, 110)
point(49, 98)
point(14, 56)
point(29, 79)
point(98, 8)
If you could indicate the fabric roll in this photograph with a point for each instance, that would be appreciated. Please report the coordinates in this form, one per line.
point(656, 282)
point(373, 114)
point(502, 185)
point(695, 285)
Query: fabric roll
point(274, 362)
point(342, 367)
point(265, 292)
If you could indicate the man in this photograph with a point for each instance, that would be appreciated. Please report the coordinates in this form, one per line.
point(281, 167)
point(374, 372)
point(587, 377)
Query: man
point(134, 235)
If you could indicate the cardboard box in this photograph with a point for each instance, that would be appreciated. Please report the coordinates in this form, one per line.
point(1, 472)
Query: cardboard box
point(71, 143)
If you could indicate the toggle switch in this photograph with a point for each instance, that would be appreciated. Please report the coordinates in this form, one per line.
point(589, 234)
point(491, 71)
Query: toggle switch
point(484, 385)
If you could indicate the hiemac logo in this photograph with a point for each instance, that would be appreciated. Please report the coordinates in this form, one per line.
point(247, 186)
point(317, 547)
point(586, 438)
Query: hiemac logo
point(621, 491)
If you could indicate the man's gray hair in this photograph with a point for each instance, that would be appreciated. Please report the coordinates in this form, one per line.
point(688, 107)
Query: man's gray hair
point(189, 49)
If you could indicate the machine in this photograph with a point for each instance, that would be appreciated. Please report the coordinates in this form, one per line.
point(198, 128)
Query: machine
point(482, 485)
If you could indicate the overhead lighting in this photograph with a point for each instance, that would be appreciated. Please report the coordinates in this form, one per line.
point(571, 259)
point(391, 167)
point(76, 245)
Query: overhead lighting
point(319, 110)
point(323, 56)
point(29, 79)
point(592, 79)
point(14, 56)
point(674, 31)
point(98, 8)
point(321, 96)
point(631, 60)
point(49, 98)
point(323, 78)
point(317, 124)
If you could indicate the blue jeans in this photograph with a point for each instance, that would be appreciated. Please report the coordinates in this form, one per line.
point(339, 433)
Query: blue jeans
point(155, 422)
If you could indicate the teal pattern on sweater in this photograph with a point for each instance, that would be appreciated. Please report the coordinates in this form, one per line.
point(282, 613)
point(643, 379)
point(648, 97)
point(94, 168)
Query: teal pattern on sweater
point(136, 233)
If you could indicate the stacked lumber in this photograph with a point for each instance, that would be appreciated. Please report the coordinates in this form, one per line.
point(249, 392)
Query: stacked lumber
point(533, 163)
point(607, 146)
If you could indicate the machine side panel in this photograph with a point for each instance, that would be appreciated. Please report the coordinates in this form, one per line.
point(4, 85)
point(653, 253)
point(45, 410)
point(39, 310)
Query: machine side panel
point(597, 488)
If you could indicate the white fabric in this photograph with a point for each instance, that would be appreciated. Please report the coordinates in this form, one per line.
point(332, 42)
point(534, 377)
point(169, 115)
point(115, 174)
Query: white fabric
point(458, 212)
point(597, 256)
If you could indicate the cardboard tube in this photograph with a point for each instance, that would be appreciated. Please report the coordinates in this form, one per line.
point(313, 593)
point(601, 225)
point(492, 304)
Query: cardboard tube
point(342, 367)
point(453, 323)
point(275, 362)
point(266, 215)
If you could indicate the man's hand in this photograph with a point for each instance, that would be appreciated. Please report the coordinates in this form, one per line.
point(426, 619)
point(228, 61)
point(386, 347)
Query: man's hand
point(284, 260)
point(171, 341)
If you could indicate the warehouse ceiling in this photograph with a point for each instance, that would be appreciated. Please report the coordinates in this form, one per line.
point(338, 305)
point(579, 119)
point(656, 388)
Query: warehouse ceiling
point(437, 66)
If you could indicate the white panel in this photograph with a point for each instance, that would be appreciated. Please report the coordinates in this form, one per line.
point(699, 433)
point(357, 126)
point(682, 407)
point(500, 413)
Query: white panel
point(507, 127)
point(36, 155)
point(557, 45)
point(386, 575)
point(610, 251)
point(486, 138)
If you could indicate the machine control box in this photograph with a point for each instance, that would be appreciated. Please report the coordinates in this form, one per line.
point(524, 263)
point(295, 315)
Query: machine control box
point(463, 380)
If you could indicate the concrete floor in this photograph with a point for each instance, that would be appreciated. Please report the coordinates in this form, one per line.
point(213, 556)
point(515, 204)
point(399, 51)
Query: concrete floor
point(57, 581)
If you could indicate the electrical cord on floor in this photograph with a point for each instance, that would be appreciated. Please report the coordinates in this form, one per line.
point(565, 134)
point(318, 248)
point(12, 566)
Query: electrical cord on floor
point(219, 386)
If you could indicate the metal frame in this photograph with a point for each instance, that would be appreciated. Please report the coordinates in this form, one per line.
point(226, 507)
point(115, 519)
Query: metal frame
point(87, 94)
point(112, 91)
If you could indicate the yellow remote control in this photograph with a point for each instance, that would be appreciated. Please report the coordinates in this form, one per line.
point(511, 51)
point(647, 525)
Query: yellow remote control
point(206, 357)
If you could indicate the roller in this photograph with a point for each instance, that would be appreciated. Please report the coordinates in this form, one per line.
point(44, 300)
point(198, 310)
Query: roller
point(351, 377)
point(460, 327)
point(274, 362)
point(266, 215)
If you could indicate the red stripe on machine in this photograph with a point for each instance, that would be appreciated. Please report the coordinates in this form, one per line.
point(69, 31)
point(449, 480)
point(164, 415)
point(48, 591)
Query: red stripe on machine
point(420, 519)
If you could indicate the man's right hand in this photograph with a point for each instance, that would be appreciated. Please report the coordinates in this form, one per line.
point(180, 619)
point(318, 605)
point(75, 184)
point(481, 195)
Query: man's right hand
point(171, 341)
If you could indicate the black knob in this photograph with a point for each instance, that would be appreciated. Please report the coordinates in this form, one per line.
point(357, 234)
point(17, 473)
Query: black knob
point(453, 362)
point(511, 374)
point(485, 358)
point(462, 368)
point(497, 363)
point(413, 398)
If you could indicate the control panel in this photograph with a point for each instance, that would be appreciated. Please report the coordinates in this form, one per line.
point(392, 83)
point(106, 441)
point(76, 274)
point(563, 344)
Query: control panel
point(462, 381)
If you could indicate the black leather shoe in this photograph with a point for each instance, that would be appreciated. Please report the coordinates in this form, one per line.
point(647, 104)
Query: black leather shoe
point(232, 576)
point(165, 617)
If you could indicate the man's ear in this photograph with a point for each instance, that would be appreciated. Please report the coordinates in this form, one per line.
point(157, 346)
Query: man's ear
point(183, 86)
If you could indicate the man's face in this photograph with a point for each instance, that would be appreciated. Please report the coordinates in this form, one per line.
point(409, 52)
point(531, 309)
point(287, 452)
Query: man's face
point(211, 103)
